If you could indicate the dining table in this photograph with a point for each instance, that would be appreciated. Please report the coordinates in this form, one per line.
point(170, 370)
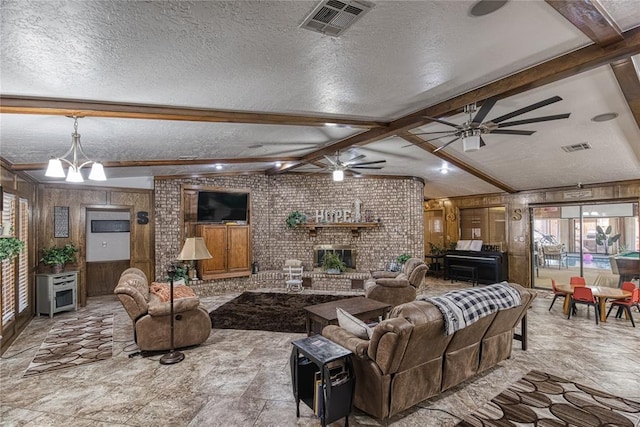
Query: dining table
point(601, 293)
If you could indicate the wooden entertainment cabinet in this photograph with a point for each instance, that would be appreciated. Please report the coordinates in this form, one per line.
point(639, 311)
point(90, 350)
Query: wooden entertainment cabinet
point(230, 246)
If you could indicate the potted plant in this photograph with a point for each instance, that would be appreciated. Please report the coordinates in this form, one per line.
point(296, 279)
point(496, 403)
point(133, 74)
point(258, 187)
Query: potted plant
point(604, 238)
point(181, 275)
point(295, 218)
point(332, 264)
point(57, 257)
point(10, 247)
point(401, 259)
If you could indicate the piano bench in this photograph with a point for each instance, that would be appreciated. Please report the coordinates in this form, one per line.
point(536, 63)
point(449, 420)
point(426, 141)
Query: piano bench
point(463, 272)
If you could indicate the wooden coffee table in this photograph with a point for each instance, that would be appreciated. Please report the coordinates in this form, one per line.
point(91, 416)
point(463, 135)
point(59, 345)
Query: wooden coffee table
point(321, 315)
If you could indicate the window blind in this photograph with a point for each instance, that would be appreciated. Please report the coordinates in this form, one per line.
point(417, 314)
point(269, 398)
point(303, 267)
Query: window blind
point(8, 266)
point(23, 275)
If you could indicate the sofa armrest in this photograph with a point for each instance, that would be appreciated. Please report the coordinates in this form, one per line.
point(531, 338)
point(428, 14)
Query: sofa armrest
point(346, 339)
point(133, 302)
point(389, 342)
point(384, 274)
point(180, 305)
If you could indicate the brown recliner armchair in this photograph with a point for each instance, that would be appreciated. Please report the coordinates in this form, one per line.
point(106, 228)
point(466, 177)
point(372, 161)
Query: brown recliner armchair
point(151, 316)
point(396, 288)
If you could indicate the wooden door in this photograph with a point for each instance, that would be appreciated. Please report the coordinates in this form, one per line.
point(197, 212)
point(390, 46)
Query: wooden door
point(239, 250)
point(215, 238)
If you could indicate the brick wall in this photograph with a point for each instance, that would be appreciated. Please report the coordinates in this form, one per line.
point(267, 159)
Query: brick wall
point(396, 202)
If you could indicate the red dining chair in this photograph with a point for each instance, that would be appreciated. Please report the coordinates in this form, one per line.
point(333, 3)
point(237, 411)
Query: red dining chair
point(556, 293)
point(577, 281)
point(583, 295)
point(626, 304)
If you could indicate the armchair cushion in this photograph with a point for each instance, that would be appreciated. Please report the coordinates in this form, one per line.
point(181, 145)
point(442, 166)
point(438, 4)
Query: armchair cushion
point(384, 274)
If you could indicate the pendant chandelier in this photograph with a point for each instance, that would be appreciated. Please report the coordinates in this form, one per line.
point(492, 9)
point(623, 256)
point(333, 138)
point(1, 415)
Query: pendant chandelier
point(55, 169)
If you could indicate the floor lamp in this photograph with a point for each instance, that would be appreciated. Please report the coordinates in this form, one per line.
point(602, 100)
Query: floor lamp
point(193, 249)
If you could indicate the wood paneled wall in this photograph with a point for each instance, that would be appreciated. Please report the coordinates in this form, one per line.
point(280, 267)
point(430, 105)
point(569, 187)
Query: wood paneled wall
point(79, 200)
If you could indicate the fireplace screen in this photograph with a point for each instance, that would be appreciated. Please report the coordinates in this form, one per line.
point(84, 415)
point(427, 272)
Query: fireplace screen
point(346, 253)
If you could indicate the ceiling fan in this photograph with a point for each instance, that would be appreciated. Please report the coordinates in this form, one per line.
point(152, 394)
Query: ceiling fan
point(472, 130)
point(338, 167)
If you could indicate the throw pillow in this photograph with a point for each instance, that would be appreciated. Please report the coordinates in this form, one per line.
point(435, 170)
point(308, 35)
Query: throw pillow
point(353, 325)
point(162, 290)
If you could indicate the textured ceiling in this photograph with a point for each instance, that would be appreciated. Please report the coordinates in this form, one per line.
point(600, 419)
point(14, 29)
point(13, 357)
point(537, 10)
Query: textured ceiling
point(250, 56)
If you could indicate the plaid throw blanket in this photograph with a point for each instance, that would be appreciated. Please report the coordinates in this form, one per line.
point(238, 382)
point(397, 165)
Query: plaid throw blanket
point(463, 307)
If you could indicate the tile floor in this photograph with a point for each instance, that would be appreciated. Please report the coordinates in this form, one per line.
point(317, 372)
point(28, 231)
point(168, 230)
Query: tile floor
point(241, 378)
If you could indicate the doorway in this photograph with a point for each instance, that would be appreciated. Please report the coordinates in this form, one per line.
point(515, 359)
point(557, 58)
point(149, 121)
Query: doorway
point(580, 240)
point(108, 243)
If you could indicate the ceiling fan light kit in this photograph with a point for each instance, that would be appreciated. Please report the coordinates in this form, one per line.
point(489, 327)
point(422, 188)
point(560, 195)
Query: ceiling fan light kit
point(338, 175)
point(55, 169)
point(471, 142)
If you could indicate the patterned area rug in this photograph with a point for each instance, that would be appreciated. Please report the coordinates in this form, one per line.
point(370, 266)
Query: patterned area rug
point(268, 311)
point(74, 342)
point(541, 399)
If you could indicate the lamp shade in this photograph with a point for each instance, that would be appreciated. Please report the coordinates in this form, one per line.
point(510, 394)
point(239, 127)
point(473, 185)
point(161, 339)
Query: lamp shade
point(338, 175)
point(74, 175)
point(193, 249)
point(54, 169)
point(97, 172)
point(471, 143)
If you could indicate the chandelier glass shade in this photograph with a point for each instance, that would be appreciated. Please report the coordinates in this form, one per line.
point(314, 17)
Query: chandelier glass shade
point(78, 160)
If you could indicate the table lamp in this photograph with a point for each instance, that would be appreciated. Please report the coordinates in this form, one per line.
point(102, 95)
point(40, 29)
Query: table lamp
point(193, 249)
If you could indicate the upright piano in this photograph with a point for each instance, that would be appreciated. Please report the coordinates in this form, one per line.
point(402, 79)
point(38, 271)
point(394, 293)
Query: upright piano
point(492, 267)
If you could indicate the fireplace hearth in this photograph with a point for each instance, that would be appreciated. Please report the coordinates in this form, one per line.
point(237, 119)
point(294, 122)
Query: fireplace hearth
point(346, 253)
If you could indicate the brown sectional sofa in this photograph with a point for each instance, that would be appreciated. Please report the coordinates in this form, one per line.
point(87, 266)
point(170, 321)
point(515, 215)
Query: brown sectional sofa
point(409, 358)
point(151, 317)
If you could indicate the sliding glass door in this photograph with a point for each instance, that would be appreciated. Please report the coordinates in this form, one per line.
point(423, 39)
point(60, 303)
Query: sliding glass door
point(583, 240)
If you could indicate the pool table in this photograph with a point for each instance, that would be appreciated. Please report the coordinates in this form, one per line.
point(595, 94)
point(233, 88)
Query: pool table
point(626, 265)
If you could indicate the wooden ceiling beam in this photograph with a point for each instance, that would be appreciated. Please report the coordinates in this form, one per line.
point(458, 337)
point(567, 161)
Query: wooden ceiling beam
point(590, 17)
point(627, 76)
point(430, 148)
point(150, 163)
point(70, 107)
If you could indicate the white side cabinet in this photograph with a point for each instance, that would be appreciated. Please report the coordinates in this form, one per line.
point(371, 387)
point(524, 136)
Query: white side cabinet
point(56, 292)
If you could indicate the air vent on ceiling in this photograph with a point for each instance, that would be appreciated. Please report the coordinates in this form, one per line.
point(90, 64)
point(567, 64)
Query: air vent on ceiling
point(333, 17)
point(576, 147)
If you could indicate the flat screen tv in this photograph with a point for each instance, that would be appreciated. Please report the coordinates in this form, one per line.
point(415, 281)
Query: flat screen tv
point(218, 206)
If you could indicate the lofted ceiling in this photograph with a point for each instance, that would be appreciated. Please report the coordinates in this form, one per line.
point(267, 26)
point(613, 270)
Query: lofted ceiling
point(178, 87)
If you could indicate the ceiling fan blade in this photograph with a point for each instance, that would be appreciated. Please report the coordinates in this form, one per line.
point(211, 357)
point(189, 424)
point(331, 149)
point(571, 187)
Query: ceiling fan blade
point(368, 163)
point(487, 105)
point(435, 132)
point(365, 167)
point(535, 120)
point(356, 158)
point(482, 144)
point(444, 122)
point(527, 109)
point(513, 132)
point(447, 144)
point(333, 163)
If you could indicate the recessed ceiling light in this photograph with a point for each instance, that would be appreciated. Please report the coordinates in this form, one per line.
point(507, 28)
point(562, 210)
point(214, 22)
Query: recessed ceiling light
point(604, 117)
point(218, 166)
point(278, 164)
point(485, 7)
